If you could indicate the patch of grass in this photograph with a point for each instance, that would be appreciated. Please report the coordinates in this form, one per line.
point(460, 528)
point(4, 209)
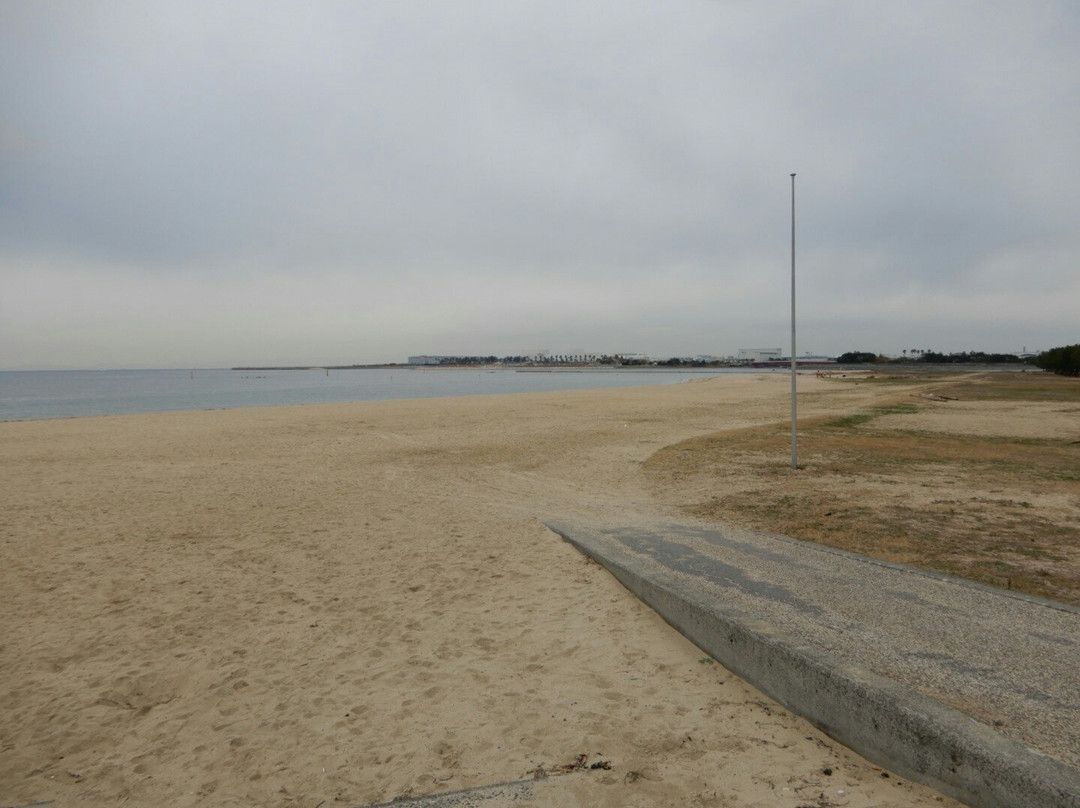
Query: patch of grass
point(994, 509)
point(1033, 385)
point(901, 378)
point(859, 418)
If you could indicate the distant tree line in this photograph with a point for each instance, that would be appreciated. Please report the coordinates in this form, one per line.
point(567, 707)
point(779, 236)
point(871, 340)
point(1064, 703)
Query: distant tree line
point(676, 362)
point(1064, 361)
point(457, 361)
point(977, 357)
point(859, 358)
point(930, 357)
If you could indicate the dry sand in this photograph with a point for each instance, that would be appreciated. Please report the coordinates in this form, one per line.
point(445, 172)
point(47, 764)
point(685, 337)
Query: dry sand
point(344, 604)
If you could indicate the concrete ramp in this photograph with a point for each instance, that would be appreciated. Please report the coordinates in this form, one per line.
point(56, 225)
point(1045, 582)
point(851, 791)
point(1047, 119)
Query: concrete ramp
point(971, 690)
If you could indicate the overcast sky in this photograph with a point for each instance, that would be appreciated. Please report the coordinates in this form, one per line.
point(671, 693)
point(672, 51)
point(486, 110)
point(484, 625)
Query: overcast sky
point(218, 183)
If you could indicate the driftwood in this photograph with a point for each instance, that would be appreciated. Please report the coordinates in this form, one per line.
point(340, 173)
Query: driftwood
point(936, 397)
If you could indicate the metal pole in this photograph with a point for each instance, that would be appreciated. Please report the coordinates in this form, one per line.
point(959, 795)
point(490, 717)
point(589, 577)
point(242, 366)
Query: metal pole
point(794, 429)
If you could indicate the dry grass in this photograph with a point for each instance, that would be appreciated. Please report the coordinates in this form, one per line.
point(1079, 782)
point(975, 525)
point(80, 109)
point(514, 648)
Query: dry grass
point(986, 487)
point(1026, 386)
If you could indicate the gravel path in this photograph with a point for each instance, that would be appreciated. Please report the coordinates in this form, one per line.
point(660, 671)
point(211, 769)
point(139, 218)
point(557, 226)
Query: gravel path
point(1010, 661)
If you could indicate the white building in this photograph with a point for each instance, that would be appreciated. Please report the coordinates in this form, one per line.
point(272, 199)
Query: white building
point(760, 354)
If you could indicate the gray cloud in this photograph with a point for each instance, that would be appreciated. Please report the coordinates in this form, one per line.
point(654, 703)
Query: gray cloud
point(212, 183)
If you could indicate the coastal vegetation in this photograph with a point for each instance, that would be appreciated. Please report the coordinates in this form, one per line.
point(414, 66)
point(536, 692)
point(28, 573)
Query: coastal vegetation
point(929, 357)
point(1064, 361)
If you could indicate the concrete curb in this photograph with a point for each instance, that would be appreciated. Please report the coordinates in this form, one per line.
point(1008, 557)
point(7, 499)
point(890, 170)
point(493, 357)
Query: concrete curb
point(889, 724)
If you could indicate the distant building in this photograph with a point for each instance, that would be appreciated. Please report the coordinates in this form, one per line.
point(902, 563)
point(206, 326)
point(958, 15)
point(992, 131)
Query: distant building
point(760, 354)
point(427, 360)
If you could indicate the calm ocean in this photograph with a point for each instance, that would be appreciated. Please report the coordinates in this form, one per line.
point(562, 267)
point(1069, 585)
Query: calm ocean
point(35, 394)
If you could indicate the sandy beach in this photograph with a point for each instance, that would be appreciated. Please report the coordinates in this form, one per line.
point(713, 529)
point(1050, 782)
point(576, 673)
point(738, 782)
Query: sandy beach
point(346, 604)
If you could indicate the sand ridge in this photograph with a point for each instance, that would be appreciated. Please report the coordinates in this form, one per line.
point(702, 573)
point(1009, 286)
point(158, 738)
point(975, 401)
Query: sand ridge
point(358, 602)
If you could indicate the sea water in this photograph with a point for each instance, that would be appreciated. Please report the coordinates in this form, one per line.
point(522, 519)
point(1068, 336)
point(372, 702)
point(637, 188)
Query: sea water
point(37, 394)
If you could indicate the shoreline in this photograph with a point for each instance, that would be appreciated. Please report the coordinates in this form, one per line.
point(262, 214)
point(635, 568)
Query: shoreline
point(65, 394)
point(97, 393)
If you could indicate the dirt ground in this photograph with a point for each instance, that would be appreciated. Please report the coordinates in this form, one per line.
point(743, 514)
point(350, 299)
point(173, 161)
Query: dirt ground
point(972, 475)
